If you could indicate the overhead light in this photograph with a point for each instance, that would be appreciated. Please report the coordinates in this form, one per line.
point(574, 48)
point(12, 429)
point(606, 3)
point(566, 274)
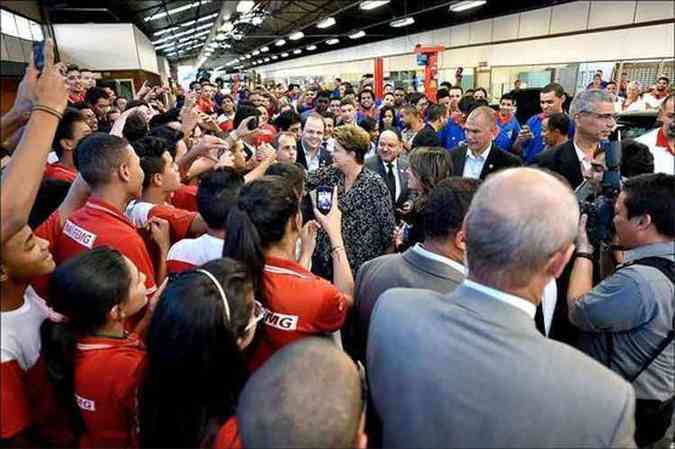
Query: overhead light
point(159, 15)
point(248, 56)
point(168, 30)
point(226, 46)
point(357, 35)
point(464, 5)
point(203, 33)
point(297, 51)
point(275, 57)
point(257, 20)
point(402, 22)
point(280, 42)
point(284, 55)
point(372, 4)
point(221, 37)
point(185, 33)
point(296, 36)
point(311, 47)
point(256, 52)
point(326, 23)
point(332, 41)
point(266, 59)
point(227, 27)
point(245, 6)
point(259, 61)
point(264, 50)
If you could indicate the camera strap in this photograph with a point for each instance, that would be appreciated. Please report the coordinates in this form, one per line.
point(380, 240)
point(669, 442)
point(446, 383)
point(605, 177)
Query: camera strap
point(667, 267)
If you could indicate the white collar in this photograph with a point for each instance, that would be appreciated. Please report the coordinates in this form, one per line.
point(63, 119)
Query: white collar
point(394, 164)
point(307, 152)
point(580, 153)
point(513, 300)
point(483, 156)
point(437, 257)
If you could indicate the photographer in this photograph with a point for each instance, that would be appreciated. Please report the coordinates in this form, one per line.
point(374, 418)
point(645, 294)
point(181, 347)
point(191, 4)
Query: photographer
point(628, 317)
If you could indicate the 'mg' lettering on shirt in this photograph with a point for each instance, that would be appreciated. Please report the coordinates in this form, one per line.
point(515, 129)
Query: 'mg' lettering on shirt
point(85, 404)
point(80, 235)
point(281, 321)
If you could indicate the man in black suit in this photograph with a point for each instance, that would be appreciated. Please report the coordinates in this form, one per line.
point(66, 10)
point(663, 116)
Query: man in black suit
point(480, 156)
point(391, 168)
point(311, 153)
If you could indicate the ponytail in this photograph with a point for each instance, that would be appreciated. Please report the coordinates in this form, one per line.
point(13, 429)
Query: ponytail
point(242, 243)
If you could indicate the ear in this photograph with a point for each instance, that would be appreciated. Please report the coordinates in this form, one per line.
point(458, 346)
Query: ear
point(556, 264)
point(157, 180)
point(460, 242)
point(124, 173)
point(116, 313)
point(4, 276)
point(643, 221)
point(66, 144)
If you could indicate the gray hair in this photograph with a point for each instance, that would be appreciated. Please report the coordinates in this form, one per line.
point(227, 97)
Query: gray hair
point(586, 101)
point(517, 220)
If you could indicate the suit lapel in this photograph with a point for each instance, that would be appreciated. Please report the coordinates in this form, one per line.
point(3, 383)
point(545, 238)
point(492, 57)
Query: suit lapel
point(572, 165)
point(491, 163)
point(460, 159)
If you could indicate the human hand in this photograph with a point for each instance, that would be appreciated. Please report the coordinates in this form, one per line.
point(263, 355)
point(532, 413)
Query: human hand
point(160, 233)
point(225, 160)
point(308, 237)
point(405, 208)
point(208, 145)
point(208, 123)
point(583, 244)
point(332, 221)
point(143, 91)
point(524, 135)
point(242, 129)
point(51, 89)
point(266, 152)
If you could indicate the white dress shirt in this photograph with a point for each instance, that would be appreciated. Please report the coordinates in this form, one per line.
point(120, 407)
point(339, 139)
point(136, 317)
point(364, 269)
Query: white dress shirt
point(473, 165)
point(442, 259)
point(394, 167)
point(548, 303)
point(585, 161)
point(664, 161)
point(312, 163)
point(512, 300)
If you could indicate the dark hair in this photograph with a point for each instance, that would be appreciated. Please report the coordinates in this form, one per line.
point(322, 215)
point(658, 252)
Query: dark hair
point(265, 205)
point(447, 205)
point(667, 80)
point(367, 123)
point(171, 135)
point(293, 172)
point(244, 111)
point(415, 98)
point(436, 112)
point(49, 197)
point(72, 67)
point(556, 88)
point(559, 121)
point(457, 87)
point(172, 115)
point(636, 159)
point(391, 109)
point(192, 84)
point(446, 85)
point(482, 89)
point(150, 151)
point(98, 155)
point(194, 369)
point(365, 91)
point(136, 103)
point(82, 105)
point(84, 289)
point(287, 119)
point(218, 193)
point(507, 97)
point(466, 104)
point(330, 115)
point(135, 128)
point(652, 194)
point(64, 130)
point(323, 94)
point(94, 94)
point(611, 82)
point(478, 104)
point(442, 93)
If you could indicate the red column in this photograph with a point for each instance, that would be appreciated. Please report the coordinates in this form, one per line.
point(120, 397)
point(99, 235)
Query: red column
point(378, 74)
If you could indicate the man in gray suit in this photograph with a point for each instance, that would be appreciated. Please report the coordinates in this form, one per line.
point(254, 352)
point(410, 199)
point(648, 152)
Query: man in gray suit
point(469, 369)
point(437, 264)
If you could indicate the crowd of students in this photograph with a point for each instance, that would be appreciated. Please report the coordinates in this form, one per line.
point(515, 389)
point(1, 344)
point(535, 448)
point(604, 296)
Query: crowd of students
point(165, 268)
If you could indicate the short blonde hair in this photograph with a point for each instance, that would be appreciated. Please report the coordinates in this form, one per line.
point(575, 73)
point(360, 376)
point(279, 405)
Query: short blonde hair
point(355, 139)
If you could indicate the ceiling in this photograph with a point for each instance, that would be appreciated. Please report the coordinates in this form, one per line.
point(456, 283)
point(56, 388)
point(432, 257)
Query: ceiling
point(190, 24)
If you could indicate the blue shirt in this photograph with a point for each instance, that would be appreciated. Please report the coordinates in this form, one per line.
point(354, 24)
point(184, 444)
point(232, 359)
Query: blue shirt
point(508, 133)
point(451, 135)
point(536, 145)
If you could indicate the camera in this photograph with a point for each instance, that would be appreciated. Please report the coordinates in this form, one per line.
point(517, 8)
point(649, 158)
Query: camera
point(597, 202)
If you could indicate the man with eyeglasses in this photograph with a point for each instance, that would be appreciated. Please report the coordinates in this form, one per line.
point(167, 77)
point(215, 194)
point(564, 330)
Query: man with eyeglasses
point(593, 114)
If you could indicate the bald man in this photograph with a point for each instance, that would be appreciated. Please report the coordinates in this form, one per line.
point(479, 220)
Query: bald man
point(479, 156)
point(307, 395)
point(469, 369)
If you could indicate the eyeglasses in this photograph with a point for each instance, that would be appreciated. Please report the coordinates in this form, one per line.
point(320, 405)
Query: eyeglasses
point(258, 315)
point(606, 117)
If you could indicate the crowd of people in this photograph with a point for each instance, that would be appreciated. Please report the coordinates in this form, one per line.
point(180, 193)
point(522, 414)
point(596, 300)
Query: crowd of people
point(320, 267)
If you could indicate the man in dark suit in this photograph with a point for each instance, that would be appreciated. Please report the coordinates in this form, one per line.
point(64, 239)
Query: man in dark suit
point(311, 153)
point(391, 168)
point(480, 156)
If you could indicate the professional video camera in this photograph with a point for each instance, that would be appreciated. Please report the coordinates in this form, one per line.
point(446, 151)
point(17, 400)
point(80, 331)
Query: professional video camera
point(597, 201)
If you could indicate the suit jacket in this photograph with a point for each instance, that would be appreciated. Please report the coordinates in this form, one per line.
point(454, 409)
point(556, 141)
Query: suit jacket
point(562, 160)
point(375, 164)
point(325, 158)
point(467, 370)
point(498, 159)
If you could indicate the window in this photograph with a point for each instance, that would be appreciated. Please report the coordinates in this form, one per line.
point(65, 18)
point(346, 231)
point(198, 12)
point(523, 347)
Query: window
point(19, 26)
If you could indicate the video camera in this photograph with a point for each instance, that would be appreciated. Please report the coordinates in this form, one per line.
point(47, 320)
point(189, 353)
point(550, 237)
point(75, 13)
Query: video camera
point(597, 201)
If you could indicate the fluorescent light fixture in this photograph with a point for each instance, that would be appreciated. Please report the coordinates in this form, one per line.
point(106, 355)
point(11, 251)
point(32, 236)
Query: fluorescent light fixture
point(280, 42)
point(284, 55)
point(168, 30)
point(172, 11)
point(266, 59)
point(255, 52)
point(203, 33)
point(297, 51)
point(464, 5)
point(275, 57)
point(296, 36)
point(372, 4)
point(333, 41)
point(326, 23)
point(185, 33)
point(311, 47)
point(259, 61)
point(245, 6)
point(402, 22)
point(357, 35)
point(264, 50)
point(248, 56)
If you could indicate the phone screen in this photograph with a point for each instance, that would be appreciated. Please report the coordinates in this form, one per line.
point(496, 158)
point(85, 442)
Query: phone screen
point(324, 200)
point(39, 55)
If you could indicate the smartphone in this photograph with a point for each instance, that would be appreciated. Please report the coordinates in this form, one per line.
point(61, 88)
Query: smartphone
point(253, 124)
point(324, 199)
point(39, 55)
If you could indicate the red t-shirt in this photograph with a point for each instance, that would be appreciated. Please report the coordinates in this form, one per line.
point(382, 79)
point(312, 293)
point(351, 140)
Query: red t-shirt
point(60, 172)
point(107, 373)
point(180, 220)
point(228, 435)
point(186, 198)
point(299, 304)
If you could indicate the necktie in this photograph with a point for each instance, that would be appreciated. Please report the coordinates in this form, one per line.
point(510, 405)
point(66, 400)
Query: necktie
point(391, 181)
point(539, 320)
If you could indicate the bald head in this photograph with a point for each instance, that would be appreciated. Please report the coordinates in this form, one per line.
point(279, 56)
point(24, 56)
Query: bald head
point(307, 395)
point(517, 220)
point(481, 128)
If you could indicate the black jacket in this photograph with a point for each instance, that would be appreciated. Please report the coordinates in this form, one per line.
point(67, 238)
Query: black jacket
point(325, 158)
point(498, 159)
point(563, 160)
point(375, 164)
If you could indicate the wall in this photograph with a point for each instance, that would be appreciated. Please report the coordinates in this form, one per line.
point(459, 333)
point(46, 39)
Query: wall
point(537, 35)
point(27, 8)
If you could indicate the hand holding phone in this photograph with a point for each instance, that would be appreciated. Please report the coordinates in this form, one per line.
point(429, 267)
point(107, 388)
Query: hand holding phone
point(39, 55)
point(324, 199)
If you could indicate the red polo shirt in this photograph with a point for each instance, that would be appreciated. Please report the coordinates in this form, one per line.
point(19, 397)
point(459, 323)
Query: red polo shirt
point(107, 373)
point(662, 141)
point(186, 198)
point(180, 220)
point(299, 304)
point(60, 172)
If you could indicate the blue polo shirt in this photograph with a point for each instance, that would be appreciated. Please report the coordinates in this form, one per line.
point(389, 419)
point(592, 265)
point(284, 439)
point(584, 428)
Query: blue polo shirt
point(508, 133)
point(451, 135)
point(536, 145)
